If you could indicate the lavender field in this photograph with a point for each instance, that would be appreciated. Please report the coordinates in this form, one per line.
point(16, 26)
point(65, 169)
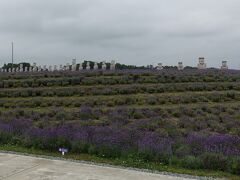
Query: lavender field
point(187, 118)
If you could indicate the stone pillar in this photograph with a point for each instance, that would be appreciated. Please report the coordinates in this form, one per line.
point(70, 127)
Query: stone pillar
point(67, 67)
point(159, 66)
point(80, 67)
point(88, 66)
point(55, 68)
point(202, 64)
point(26, 69)
point(180, 66)
point(34, 67)
point(60, 67)
point(112, 65)
point(104, 66)
point(224, 65)
point(95, 67)
point(21, 68)
point(74, 62)
point(74, 65)
point(44, 68)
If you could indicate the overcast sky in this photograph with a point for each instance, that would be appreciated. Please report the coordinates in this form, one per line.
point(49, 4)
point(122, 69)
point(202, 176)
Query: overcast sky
point(130, 31)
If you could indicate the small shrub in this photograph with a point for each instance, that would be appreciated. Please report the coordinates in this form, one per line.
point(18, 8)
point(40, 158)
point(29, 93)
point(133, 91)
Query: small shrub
point(235, 166)
point(191, 162)
point(214, 161)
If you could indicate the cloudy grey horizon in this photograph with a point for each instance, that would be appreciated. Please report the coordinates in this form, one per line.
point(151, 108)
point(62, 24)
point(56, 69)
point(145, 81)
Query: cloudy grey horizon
point(137, 32)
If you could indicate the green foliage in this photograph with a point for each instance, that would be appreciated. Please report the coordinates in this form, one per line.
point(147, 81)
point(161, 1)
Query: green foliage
point(214, 161)
point(192, 162)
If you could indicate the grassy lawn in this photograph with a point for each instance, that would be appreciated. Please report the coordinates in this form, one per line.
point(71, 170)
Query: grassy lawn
point(130, 162)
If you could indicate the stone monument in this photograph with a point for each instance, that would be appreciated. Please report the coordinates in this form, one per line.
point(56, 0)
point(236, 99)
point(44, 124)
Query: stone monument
point(21, 68)
point(80, 67)
point(34, 67)
point(67, 67)
point(224, 65)
point(74, 65)
point(104, 66)
point(201, 63)
point(88, 66)
point(159, 66)
point(25, 69)
point(55, 68)
point(112, 65)
point(60, 67)
point(45, 68)
point(95, 67)
point(180, 66)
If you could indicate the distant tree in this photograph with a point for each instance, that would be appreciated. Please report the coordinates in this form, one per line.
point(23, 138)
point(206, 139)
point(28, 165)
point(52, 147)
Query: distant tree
point(10, 65)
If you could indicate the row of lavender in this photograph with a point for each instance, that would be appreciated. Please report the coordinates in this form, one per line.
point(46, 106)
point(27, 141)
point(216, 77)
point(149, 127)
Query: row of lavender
point(219, 152)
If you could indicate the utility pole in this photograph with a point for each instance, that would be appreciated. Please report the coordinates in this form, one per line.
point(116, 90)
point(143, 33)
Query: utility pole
point(12, 54)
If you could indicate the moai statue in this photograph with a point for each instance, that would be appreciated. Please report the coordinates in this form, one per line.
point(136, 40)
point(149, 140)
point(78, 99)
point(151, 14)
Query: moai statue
point(112, 65)
point(21, 68)
point(30, 69)
point(67, 67)
point(17, 69)
point(13, 69)
point(202, 64)
point(9, 70)
point(50, 69)
point(104, 66)
point(88, 66)
point(25, 69)
point(80, 67)
point(39, 69)
point(180, 66)
point(159, 66)
point(1, 70)
point(55, 68)
point(4, 70)
point(95, 67)
point(224, 65)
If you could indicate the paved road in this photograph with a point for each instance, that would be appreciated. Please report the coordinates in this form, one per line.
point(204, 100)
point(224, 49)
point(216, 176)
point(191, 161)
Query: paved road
point(17, 167)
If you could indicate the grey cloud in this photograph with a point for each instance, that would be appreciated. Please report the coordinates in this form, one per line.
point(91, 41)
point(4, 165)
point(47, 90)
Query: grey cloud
point(133, 32)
